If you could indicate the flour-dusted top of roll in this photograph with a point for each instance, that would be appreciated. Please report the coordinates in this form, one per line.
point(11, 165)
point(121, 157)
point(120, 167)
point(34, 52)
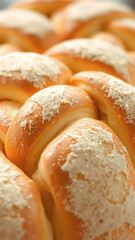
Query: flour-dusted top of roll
point(29, 30)
point(30, 72)
point(33, 67)
point(42, 117)
point(123, 96)
point(42, 6)
point(95, 51)
point(116, 103)
point(84, 18)
point(121, 93)
point(85, 10)
point(11, 197)
point(127, 22)
point(26, 21)
point(21, 211)
point(52, 103)
point(90, 176)
point(105, 208)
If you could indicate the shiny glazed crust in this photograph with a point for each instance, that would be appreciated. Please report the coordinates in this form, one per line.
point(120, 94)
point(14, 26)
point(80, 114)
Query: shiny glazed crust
point(41, 118)
point(116, 103)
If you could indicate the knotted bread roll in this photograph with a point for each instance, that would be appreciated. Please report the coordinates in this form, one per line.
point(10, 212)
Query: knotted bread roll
point(116, 103)
point(82, 169)
point(41, 118)
point(85, 18)
point(22, 75)
point(27, 29)
point(96, 55)
point(87, 182)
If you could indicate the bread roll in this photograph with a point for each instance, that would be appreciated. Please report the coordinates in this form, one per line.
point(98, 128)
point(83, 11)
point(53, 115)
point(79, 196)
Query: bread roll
point(96, 55)
point(86, 174)
point(41, 118)
point(23, 74)
point(85, 18)
point(124, 29)
point(29, 30)
point(116, 103)
point(42, 6)
point(79, 165)
point(21, 212)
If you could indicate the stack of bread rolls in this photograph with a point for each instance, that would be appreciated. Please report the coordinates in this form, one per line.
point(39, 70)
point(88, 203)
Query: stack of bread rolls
point(67, 120)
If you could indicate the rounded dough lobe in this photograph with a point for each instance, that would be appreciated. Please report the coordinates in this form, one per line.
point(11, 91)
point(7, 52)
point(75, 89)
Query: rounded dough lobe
point(85, 18)
point(41, 118)
point(23, 74)
point(21, 211)
point(116, 103)
point(42, 6)
point(125, 29)
point(87, 174)
point(94, 55)
point(27, 29)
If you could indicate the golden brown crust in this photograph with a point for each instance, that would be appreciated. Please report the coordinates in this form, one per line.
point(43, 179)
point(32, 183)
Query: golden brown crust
point(8, 111)
point(125, 29)
point(84, 18)
point(42, 6)
point(21, 207)
point(109, 37)
point(29, 30)
point(41, 118)
point(23, 74)
point(80, 170)
point(94, 55)
point(116, 102)
point(8, 47)
point(1, 146)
